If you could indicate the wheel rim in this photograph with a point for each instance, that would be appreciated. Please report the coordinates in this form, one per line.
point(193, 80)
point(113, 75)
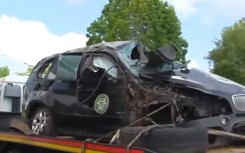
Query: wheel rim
point(39, 121)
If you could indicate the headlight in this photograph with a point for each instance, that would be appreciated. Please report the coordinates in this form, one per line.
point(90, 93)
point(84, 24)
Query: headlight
point(239, 101)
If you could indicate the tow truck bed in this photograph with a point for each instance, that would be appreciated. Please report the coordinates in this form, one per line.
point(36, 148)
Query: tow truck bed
point(18, 142)
point(24, 143)
point(62, 145)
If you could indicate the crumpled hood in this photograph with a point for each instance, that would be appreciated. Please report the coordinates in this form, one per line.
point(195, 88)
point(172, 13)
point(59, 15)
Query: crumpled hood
point(208, 82)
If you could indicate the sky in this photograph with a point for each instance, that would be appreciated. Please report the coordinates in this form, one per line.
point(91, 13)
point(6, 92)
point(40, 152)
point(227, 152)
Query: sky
point(33, 29)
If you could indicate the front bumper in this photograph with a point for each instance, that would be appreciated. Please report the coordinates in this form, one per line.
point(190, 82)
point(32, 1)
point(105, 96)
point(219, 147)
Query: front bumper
point(217, 122)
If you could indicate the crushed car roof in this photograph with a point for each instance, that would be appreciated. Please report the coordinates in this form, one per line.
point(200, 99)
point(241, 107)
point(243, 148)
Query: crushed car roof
point(116, 45)
point(124, 46)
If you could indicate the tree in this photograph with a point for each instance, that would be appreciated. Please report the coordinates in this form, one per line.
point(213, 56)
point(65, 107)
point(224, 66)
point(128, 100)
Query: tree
point(4, 71)
point(153, 22)
point(29, 69)
point(27, 72)
point(228, 57)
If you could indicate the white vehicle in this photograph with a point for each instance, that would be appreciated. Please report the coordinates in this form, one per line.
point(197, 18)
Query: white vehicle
point(11, 93)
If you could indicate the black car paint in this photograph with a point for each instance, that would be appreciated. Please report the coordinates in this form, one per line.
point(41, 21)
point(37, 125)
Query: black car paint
point(66, 104)
point(213, 85)
point(62, 100)
point(210, 84)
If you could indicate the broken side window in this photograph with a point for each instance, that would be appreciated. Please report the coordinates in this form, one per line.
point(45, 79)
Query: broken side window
point(67, 67)
point(107, 64)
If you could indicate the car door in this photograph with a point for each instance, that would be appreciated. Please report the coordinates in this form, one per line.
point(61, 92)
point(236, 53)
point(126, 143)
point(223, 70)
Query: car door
point(38, 84)
point(102, 87)
point(63, 89)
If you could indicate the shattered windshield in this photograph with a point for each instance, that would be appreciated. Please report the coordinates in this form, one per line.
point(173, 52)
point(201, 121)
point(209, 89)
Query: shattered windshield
point(177, 65)
point(125, 54)
point(135, 65)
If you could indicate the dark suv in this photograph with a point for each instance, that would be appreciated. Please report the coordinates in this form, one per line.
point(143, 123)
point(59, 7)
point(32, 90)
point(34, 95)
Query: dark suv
point(100, 88)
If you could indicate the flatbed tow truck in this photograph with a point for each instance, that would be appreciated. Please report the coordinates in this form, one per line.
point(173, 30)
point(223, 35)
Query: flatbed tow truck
point(24, 143)
point(16, 137)
point(19, 139)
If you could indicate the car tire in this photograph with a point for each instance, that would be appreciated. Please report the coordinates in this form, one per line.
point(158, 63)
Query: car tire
point(42, 123)
point(168, 140)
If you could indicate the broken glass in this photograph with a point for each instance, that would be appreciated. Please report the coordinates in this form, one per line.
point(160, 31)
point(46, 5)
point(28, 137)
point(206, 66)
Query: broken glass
point(134, 65)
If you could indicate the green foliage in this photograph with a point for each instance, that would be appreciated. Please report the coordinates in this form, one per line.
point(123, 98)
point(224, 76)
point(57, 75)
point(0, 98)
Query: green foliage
point(153, 22)
point(228, 57)
point(27, 72)
point(4, 71)
point(29, 69)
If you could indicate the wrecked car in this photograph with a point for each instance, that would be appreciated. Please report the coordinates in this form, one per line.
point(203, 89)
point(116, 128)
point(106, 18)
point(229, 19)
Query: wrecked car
point(113, 84)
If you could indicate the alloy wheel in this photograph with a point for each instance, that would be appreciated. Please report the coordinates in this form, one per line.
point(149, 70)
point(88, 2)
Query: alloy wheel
point(39, 121)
